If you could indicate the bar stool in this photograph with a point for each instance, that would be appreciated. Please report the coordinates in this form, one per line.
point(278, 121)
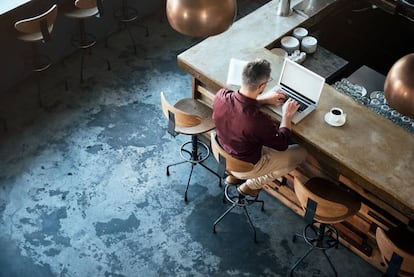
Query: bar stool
point(81, 10)
point(127, 15)
point(227, 164)
point(37, 30)
point(189, 117)
point(325, 203)
point(397, 251)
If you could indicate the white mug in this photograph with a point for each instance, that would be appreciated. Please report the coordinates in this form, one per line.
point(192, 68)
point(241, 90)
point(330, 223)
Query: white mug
point(309, 44)
point(300, 33)
point(336, 115)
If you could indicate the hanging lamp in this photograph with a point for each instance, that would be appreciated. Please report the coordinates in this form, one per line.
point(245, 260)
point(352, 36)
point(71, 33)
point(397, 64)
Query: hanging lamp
point(201, 18)
point(399, 86)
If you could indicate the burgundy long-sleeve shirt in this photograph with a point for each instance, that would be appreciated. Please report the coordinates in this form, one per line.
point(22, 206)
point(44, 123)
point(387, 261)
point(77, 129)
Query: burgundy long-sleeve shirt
point(243, 129)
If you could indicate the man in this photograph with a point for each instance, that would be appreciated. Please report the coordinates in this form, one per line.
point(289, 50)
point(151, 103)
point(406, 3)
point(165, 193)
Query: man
point(246, 133)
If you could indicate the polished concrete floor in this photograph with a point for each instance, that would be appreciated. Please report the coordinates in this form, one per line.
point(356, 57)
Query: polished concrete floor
point(83, 189)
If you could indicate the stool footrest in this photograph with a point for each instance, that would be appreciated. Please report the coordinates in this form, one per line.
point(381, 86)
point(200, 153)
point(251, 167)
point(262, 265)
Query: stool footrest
point(86, 42)
point(126, 14)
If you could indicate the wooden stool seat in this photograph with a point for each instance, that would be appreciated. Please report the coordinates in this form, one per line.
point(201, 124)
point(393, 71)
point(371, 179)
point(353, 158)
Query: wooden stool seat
point(36, 28)
point(326, 203)
point(201, 117)
point(30, 37)
point(189, 117)
point(335, 204)
point(397, 250)
point(80, 9)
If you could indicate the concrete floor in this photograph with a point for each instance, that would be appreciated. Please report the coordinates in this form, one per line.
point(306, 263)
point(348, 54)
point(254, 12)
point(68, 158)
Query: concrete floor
point(83, 189)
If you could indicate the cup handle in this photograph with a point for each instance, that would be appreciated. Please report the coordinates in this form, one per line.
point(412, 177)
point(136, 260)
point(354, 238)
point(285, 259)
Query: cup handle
point(344, 116)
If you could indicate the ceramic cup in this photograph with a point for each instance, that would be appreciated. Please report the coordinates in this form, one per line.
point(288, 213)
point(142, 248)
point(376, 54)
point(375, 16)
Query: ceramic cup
point(309, 44)
point(300, 33)
point(336, 115)
point(290, 44)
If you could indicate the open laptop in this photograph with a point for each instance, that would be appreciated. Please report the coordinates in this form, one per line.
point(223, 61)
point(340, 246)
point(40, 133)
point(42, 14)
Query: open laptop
point(300, 84)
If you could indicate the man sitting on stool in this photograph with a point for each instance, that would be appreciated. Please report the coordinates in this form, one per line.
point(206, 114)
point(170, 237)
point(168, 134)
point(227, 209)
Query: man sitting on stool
point(248, 134)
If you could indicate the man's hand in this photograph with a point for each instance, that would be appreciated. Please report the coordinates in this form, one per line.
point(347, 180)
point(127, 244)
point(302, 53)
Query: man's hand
point(288, 111)
point(290, 108)
point(277, 97)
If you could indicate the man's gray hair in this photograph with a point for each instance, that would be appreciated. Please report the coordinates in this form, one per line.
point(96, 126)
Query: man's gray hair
point(255, 73)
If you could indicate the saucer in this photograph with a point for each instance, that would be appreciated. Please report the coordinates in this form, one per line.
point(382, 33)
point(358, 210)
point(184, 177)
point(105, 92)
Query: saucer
point(335, 124)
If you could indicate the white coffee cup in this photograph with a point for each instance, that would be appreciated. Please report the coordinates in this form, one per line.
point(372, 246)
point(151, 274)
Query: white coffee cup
point(300, 33)
point(290, 44)
point(337, 115)
point(309, 44)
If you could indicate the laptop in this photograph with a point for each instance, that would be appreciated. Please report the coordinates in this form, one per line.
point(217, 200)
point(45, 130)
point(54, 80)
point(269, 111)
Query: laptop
point(301, 84)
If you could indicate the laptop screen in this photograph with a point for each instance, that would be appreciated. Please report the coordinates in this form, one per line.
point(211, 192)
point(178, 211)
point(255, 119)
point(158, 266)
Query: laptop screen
point(301, 80)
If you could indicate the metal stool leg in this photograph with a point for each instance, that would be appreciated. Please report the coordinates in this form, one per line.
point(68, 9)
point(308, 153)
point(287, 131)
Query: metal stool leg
point(188, 183)
point(330, 262)
point(168, 167)
point(258, 201)
point(222, 216)
point(81, 65)
point(213, 172)
point(132, 38)
point(300, 260)
point(251, 223)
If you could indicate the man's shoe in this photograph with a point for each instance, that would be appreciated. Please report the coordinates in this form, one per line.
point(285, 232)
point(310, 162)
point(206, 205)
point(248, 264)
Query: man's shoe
point(244, 190)
point(231, 180)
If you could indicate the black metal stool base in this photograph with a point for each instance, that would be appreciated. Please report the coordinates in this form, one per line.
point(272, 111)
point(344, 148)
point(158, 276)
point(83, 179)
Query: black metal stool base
point(323, 238)
point(127, 15)
point(237, 200)
point(195, 157)
point(37, 64)
point(85, 41)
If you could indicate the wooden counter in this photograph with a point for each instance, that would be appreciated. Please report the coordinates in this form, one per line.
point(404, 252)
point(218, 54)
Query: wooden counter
point(369, 154)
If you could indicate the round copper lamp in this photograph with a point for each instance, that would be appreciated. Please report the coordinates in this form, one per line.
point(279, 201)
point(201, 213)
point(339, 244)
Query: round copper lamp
point(399, 86)
point(201, 18)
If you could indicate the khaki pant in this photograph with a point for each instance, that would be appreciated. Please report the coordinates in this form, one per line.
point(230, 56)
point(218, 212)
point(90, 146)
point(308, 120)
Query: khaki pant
point(272, 164)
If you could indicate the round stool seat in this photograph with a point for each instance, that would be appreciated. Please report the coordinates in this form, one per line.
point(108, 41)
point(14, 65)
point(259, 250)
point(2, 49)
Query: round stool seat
point(202, 117)
point(81, 13)
point(79, 10)
point(31, 37)
point(31, 30)
point(397, 241)
point(402, 238)
point(334, 204)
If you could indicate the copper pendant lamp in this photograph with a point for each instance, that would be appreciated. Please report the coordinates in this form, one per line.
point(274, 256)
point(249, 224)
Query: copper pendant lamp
point(399, 86)
point(201, 18)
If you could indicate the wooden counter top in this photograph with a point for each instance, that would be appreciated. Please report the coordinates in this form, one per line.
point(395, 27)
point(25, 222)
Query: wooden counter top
point(368, 149)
